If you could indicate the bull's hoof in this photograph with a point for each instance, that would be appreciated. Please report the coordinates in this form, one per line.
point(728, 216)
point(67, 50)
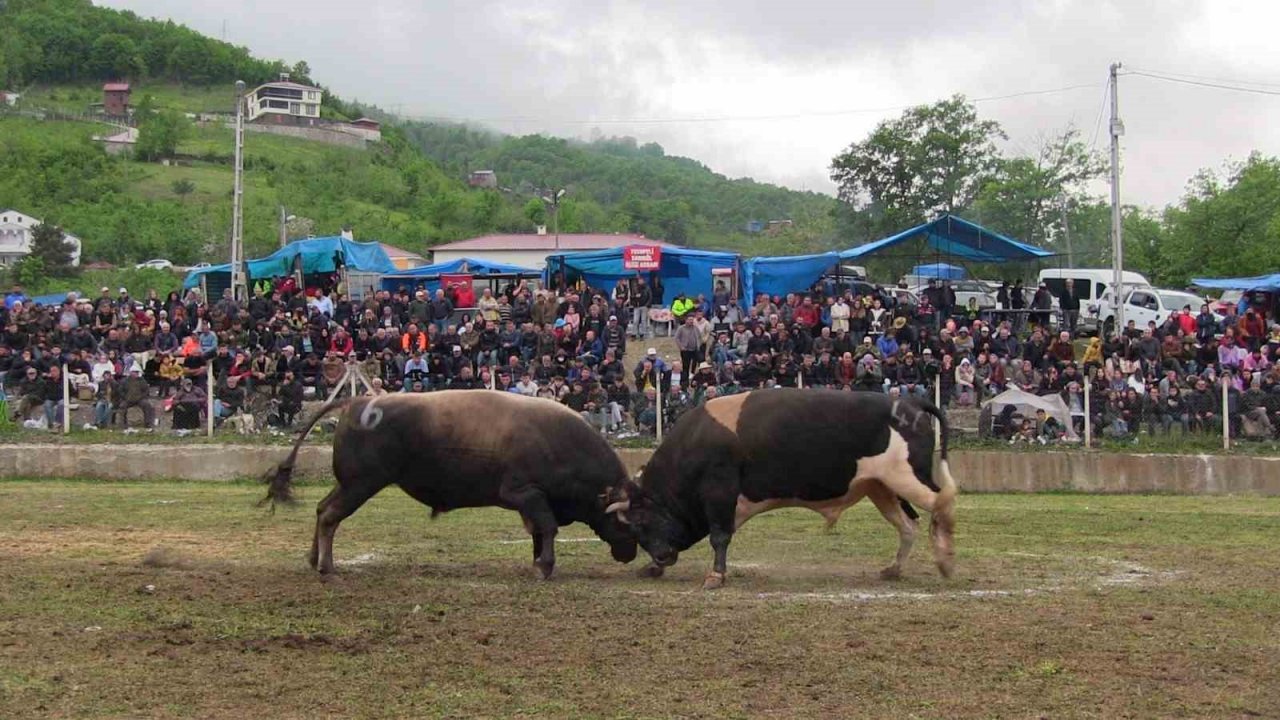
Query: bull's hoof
point(893, 572)
point(714, 581)
point(947, 567)
point(652, 570)
point(544, 570)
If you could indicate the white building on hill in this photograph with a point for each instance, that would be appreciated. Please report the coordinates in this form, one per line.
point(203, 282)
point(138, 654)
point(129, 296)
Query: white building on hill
point(284, 102)
point(15, 237)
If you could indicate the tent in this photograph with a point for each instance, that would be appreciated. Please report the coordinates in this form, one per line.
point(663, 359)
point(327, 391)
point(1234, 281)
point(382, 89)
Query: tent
point(1026, 404)
point(319, 255)
point(956, 237)
point(942, 271)
point(782, 274)
point(682, 270)
point(1267, 283)
point(429, 275)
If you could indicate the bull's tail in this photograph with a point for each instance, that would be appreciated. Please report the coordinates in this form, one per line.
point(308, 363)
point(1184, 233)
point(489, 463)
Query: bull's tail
point(280, 478)
point(943, 522)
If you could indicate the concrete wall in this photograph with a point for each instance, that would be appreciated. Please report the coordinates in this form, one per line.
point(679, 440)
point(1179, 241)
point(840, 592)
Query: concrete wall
point(975, 471)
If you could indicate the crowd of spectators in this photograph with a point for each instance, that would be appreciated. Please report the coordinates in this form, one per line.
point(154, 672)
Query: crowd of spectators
point(575, 345)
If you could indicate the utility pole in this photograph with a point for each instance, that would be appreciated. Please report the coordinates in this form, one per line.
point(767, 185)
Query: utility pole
point(239, 284)
point(554, 201)
point(1117, 233)
point(1066, 233)
point(285, 217)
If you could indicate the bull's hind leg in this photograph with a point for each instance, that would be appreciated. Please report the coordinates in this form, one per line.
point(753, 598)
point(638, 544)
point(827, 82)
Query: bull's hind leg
point(539, 520)
point(336, 507)
point(889, 506)
point(314, 557)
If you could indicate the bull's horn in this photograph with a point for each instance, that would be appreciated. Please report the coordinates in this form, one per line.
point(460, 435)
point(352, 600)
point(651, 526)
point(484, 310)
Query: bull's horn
point(620, 506)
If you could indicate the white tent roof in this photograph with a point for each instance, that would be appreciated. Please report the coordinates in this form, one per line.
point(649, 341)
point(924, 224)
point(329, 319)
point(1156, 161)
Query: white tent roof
point(1027, 404)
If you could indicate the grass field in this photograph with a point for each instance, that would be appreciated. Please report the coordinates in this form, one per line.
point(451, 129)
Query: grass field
point(185, 600)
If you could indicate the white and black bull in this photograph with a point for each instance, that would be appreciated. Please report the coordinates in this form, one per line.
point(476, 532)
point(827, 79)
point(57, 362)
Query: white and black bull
point(460, 449)
point(825, 450)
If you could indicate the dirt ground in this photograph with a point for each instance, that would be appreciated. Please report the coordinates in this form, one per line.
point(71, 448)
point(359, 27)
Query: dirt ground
point(186, 600)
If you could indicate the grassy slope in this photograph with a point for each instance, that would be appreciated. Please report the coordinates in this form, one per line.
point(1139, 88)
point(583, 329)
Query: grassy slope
point(443, 619)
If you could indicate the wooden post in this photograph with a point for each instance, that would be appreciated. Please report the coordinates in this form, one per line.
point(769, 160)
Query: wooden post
point(658, 406)
point(1226, 420)
point(1088, 417)
point(66, 401)
point(937, 402)
point(208, 375)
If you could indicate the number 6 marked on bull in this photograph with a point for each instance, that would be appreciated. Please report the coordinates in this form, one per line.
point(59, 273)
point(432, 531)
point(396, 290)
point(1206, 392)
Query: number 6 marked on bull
point(371, 416)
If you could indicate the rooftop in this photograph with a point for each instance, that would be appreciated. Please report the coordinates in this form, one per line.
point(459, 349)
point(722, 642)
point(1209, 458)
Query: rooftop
point(588, 241)
point(394, 252)
point(286, 84)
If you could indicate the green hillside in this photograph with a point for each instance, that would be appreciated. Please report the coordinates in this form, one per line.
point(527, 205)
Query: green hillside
point(410, 190)
point(618, 184)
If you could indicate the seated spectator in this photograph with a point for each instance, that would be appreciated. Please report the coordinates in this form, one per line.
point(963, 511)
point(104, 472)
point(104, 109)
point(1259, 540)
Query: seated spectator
point(134, 392)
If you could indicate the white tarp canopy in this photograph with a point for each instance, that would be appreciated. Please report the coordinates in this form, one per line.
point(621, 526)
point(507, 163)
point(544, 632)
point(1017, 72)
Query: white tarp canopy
point(1026, 404)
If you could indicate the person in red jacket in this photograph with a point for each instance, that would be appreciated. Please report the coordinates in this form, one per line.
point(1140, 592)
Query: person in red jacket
point(807, 314)
point(342, 343)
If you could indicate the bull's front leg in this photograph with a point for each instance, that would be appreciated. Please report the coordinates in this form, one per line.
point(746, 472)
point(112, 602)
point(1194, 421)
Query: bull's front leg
point(539, 520)
point(720, 546)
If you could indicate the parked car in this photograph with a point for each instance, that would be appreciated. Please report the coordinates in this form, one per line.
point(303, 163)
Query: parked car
point(966, 289)
point(1229, 298)
point(200, 266)
point(156, 264)
point(1147, 304)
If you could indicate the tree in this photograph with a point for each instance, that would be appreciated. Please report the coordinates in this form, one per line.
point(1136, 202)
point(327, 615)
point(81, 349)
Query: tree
point(51, 248)
point(932, 159)
point(182, 188)
point(117, 56)
point(1027, 197)
point(301, 72)
point(159, 135)
point(536, 211)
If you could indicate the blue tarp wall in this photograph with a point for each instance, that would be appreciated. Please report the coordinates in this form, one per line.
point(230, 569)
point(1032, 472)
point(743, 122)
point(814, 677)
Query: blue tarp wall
point(783, 274)
point(429, 275)
point(317, 257)
point(1269, 283)
point(942, 271)
point(683, 270)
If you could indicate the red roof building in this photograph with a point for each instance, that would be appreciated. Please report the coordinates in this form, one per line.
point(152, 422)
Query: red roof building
point(532, 250)
point(115, 98)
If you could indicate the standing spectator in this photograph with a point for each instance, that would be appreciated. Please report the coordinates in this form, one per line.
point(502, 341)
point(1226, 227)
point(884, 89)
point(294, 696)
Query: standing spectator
point(1069, 303)
point(688, 341)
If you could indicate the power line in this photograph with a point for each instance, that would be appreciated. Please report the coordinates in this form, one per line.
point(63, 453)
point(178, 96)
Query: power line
point(751, 118)
point(1102, 110)
point(1232, 81)
point(1199, 83)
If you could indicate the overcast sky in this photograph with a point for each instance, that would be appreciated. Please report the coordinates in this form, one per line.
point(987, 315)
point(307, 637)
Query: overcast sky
point(774, 89)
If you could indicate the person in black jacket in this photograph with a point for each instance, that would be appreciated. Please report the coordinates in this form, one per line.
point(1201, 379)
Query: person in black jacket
point(1069, 303)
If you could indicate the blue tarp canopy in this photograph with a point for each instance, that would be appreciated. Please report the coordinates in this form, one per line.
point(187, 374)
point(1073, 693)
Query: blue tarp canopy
point(783, 274)
point(683, 270)
point(51, 299)
point(429, 275)
point(942, 271)
point(1269, 283)
point(317, 255)
point(956, 237)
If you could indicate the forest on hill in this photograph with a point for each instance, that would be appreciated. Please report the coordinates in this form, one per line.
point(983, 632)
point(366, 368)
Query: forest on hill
point(411, 189)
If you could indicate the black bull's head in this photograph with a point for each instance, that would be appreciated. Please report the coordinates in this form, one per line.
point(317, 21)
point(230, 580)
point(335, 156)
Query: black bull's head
point(651, 523)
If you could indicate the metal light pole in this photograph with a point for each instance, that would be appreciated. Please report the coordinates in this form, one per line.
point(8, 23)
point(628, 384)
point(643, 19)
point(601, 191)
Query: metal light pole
point(1117, 234)
point(554, 202)
point(239, 284)
point(284, 226)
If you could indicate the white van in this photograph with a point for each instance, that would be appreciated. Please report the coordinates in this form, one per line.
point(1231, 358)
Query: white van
point(1090, 285)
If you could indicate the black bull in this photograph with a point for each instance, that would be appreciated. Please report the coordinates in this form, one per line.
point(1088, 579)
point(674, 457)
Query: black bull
point(459, 449)
point(741, 455)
